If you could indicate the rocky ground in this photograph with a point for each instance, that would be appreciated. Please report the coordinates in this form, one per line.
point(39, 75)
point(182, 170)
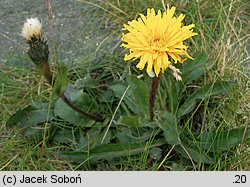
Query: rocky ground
point(74, 30)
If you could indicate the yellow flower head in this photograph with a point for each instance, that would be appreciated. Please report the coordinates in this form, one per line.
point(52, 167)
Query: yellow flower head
point(156, 37)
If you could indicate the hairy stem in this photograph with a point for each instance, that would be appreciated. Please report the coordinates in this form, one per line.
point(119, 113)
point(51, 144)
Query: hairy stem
point(39, 53)
point(48, 74)
point(45, 69)
point(95, 117)
point(152, 95)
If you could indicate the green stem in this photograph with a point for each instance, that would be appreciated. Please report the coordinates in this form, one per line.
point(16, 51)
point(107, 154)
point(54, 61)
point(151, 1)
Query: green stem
point(152, 95)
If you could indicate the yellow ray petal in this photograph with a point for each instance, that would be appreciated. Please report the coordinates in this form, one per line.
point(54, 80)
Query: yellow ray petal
point(142, 62)
point(157, 66)
point(150, 63)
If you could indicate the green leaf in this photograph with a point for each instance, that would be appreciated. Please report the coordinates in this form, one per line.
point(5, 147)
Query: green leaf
point(108, 151)
point(146, 122)
point(172, 92)
point(83, 143)
point(129, 120)
point(119, 89)
point(95, 136)
point(36, 133)
point(32, 118)
point(61, 82)
point(140, 93)
point(155, 153)
point(65, 112)
point(220, 140)
point(194, 69)
point(32, 115)
point(79, 99)
point(106, 97)
point(192, 152)
point(200, 148)
point(21, 117)
point(219, 87)
point(134, 135)
point(64, 136)
point(85, 82)
point(107, 138)
point(169, 127)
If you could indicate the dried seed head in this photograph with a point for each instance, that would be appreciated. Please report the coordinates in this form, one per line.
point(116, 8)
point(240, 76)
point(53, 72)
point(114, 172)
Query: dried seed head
point(32, 29)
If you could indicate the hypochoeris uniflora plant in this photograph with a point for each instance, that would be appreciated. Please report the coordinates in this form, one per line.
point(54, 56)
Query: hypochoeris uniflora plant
point(39, 53)
point(157, 40)
point(38, 48)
